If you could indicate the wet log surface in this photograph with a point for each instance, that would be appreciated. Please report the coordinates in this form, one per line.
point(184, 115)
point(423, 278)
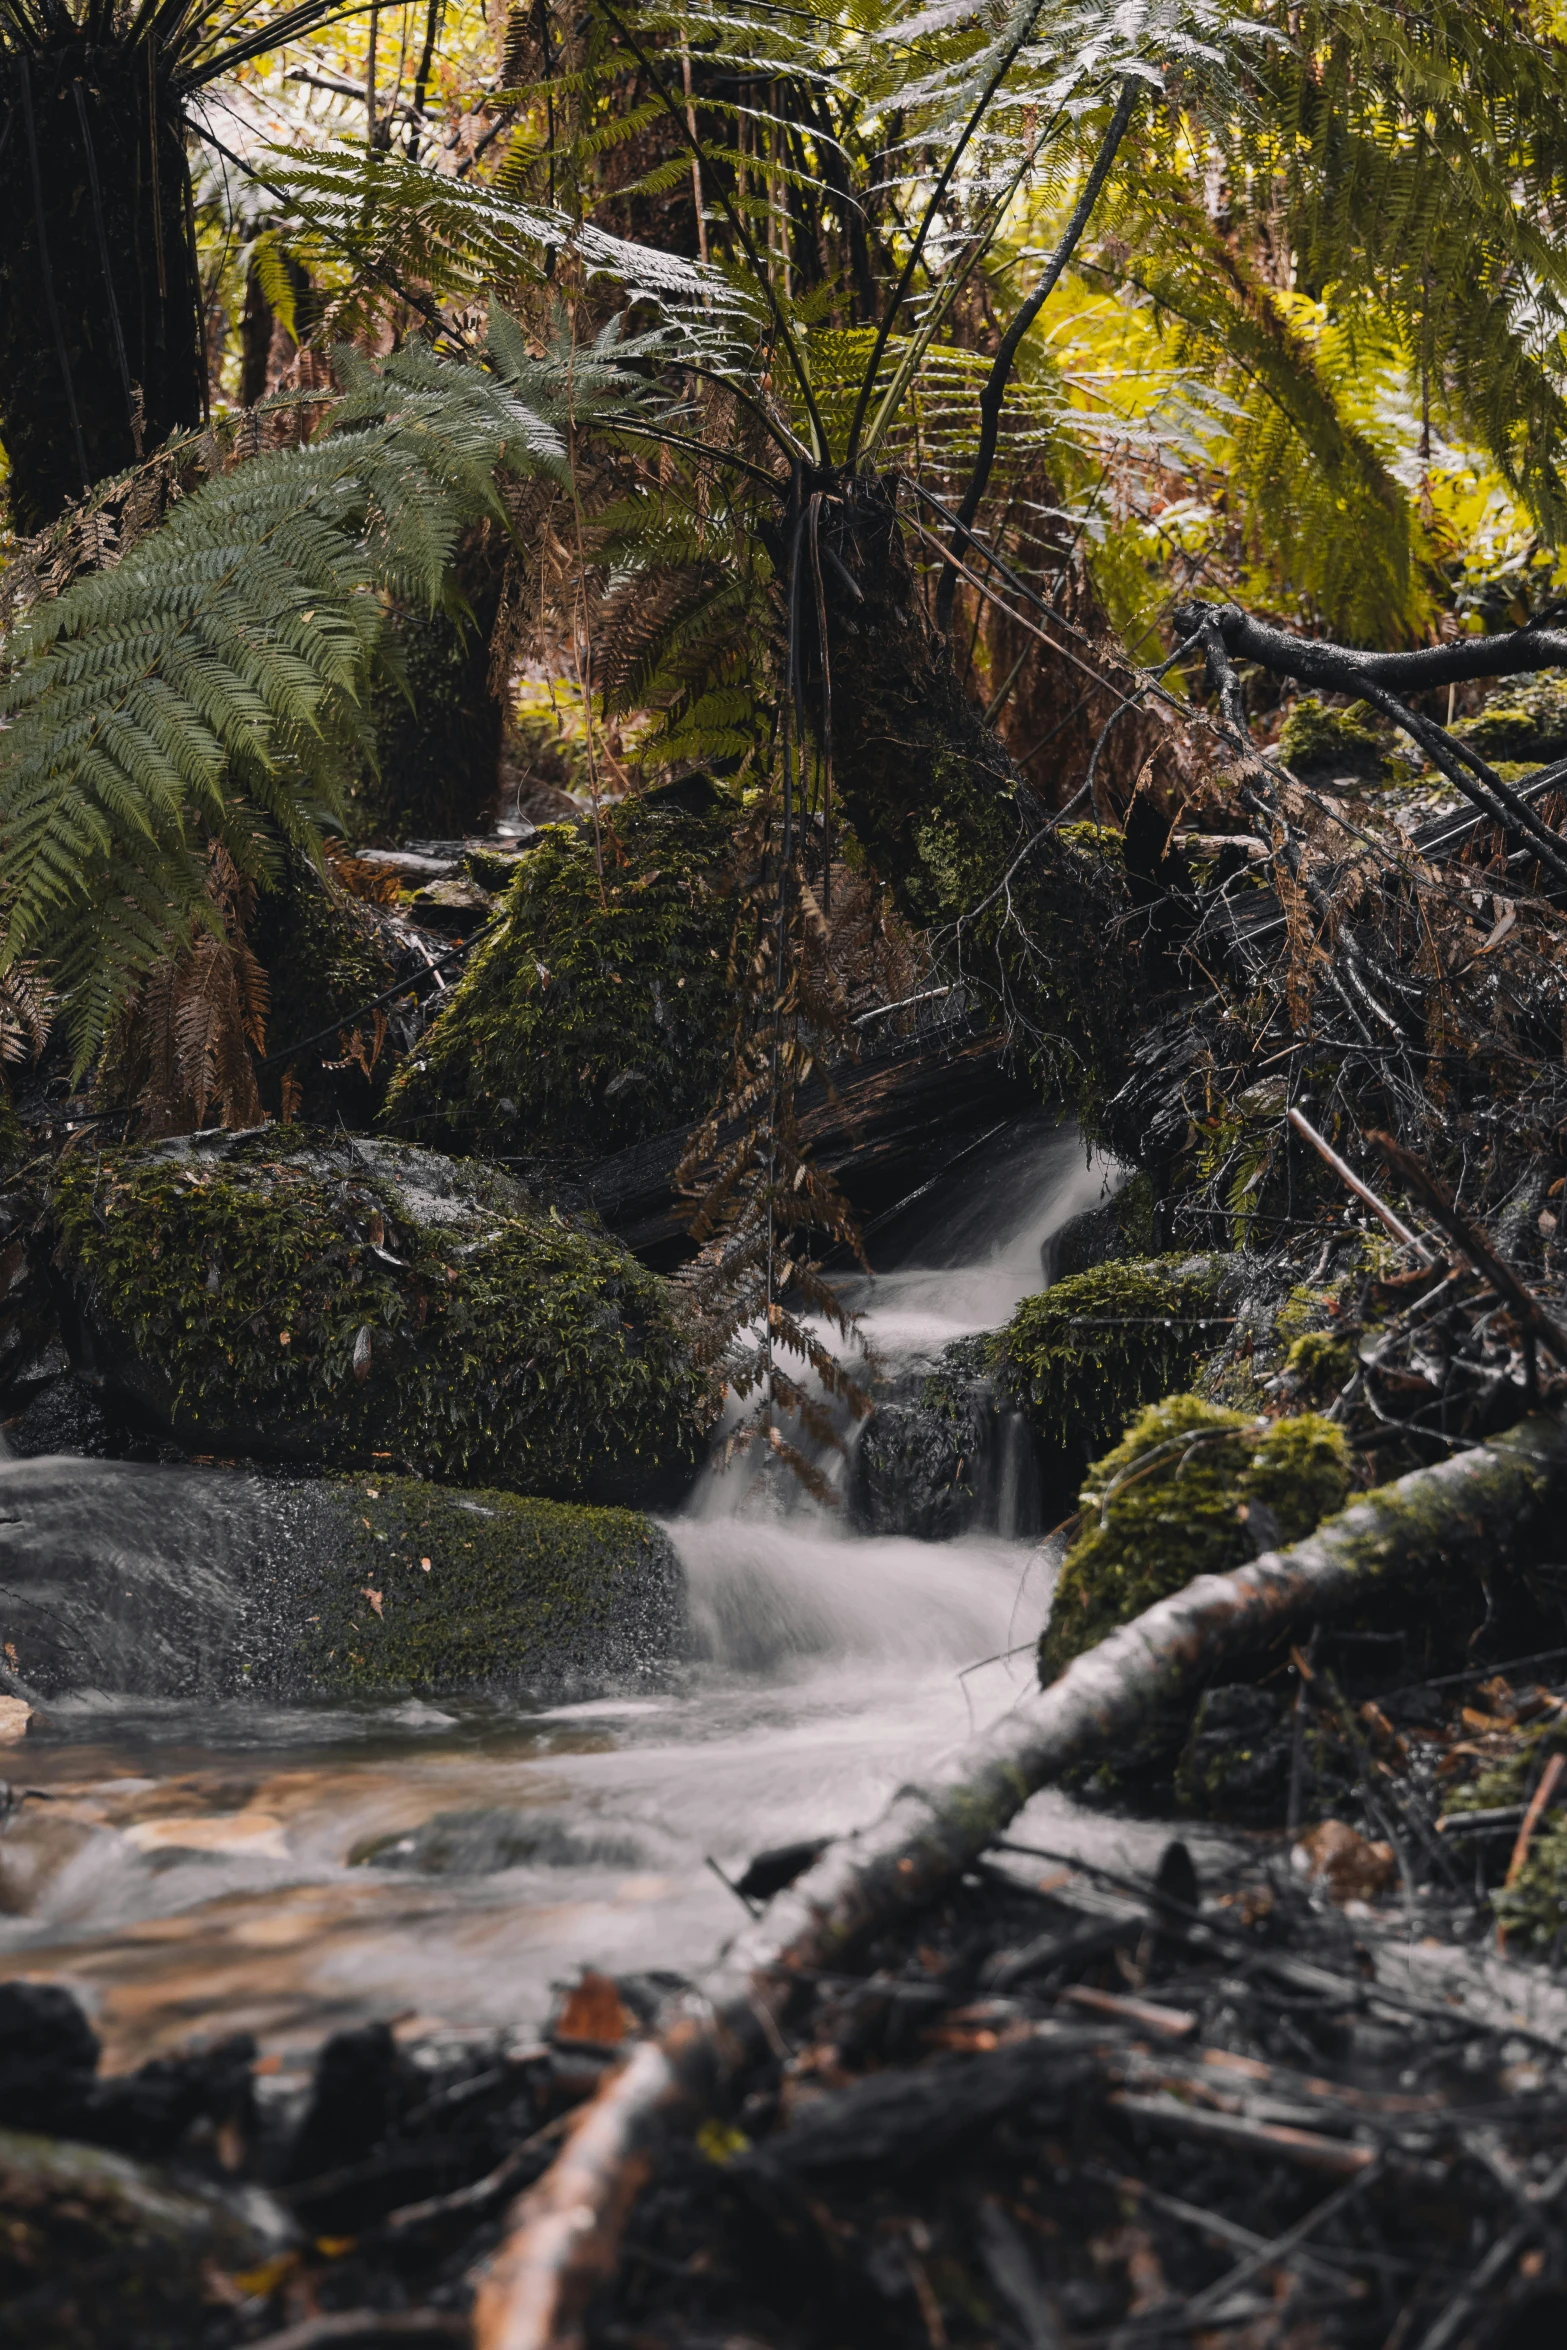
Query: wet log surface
point(892, 1123)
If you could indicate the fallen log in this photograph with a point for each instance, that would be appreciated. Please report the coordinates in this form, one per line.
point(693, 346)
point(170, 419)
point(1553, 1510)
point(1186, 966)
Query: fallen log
point(892, 1123)
point(1494, 1508)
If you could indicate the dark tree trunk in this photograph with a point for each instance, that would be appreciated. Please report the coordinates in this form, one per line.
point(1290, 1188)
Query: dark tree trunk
point(101, 353)
point(1040, 922)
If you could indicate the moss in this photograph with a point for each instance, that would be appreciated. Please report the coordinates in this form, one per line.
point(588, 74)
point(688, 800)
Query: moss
point(1315, 740)
point(1192, 1489)
point(1533, 1909)
point(228, 1290)
point(1318, 1364)
point(1079, 1359)
point(593, 1016)
point(325, 957)
point(517, 1593)
point(1526, 720)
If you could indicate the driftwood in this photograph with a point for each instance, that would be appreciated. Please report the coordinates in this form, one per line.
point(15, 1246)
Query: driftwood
point(1496, 1506)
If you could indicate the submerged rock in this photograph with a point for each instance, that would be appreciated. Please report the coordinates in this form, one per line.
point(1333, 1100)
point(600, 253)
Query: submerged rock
point(332, 1300)
point(163, 1582)
point(487, 1839)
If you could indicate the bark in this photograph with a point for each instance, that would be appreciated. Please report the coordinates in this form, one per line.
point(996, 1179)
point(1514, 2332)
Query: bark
point(101, 353)
point(1496, 1507)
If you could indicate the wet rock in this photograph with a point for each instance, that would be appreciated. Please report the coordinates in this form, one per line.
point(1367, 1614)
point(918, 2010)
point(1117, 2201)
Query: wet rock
point(482, 1842)
point(1123, 1227)
point(49, 2079)
point(923, 1464)
point(166, 1582)
point(100, 2250)
point(343, 1300)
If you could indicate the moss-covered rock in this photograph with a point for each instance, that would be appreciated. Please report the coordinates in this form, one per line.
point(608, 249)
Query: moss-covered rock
point(598, 1012)
point(1318, 741)
point(202, 1582)
point(1192, 1489)
point(1079, 1359)
point(1526, 720)
point(392, 1584)
point(337, 1301)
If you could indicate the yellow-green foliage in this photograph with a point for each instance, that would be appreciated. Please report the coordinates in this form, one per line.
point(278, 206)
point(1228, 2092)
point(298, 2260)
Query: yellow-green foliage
point(1081, 1357)
point(597, 1012)
point(510, 1345)
point(517, 1591)
point(1172, 1502)
point(1526, 720)
point(1318, 741)
point(1533, 1909)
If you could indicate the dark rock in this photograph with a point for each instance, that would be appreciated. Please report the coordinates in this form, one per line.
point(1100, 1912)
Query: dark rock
point(1237, 1761)
point(48, 2057)
point(771, 1871)
point(926, 1465)
point(482, 1842)
point(1122, 1227)
point(362, 2084)
point(166, 1582)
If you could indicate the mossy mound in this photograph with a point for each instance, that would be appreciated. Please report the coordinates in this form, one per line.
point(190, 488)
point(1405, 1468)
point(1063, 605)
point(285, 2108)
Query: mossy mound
point(598, 1012)
point(341, 1301)
point(397, 1585)
point(1082, 1357)
point(1526, 720)
point(1317, 741)
point(1192, 1489)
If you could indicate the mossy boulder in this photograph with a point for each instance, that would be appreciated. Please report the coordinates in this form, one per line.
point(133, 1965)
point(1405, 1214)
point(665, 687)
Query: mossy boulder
point(394, 1584)
point(1525, 720)
point(169, 1582)
point(599, 1010)
point(1192, 1489)
point(1320, 742)
point(1079, 1359)
point(333, 1300)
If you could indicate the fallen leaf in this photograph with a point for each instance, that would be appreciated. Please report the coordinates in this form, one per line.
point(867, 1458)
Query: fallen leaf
point(1344, 1863)
point(374, 1597)
point(593, 2010)
point(15, 1714)
point(425, 1564)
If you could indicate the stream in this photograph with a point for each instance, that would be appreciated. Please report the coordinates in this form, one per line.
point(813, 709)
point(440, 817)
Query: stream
point(190, 1870)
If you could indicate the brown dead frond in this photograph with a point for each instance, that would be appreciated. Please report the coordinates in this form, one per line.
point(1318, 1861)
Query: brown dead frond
point(185, 1049)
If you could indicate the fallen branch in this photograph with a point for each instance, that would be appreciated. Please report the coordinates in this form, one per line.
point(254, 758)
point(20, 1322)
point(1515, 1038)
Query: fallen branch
point(1493, 1507)
point(1503, 1280)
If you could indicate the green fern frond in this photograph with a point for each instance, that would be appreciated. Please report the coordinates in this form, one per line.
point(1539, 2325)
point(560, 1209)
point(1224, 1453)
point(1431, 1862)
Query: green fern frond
point(209, 689)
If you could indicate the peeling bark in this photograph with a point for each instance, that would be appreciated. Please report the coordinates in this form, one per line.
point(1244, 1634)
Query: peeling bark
point(1495, 1507)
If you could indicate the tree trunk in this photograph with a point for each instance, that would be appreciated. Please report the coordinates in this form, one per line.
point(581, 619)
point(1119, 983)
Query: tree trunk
point(101, 346)
point(1043, 921)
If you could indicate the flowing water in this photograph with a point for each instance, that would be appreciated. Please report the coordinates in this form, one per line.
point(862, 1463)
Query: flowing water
point(190, 1870)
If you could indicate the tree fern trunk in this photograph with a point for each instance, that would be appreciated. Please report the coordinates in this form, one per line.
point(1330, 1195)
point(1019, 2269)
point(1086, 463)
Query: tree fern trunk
point(100, 316)
point(1041, 923)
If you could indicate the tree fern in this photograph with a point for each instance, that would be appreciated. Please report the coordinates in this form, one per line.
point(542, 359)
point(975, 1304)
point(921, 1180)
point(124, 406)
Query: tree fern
point(209, 688)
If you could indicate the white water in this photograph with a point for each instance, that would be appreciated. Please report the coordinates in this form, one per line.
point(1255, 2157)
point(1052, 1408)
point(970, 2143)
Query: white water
point(193, 1872)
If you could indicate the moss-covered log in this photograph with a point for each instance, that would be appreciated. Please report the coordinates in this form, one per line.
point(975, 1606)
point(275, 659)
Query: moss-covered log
point(1488, 1510)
